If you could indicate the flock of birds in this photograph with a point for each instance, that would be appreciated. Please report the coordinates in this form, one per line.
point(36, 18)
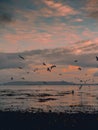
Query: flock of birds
point(36, 69)
point(49, 68)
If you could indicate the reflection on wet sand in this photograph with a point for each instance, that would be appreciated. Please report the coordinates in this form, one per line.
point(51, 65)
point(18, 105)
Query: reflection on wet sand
point(46, 98)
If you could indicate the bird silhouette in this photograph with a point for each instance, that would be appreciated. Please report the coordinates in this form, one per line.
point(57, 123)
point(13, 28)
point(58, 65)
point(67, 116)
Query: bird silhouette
point(97, 58)
point(12, 78)
point(79, 68)
point(75, 60)
point(20, 67)
point(60, 74)
point(53, 66)
point(81, 81)
point(44, 63)
point(72, 92)
point(23, 78)
point(48, 69)
point(80, 86)
point(21, 57)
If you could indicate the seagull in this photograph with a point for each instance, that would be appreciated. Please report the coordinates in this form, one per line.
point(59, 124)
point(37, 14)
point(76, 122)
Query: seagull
point(44, 63)
point(79, 68)
point(75, 60)
point(97, 58)
point(23, 78)
point(11, 78)
point(72, 92)
point(48, 69)
point(21, 57)
point(81, 81)
point(60, 74)
point(20, 67)
point(80, 86)
point(53, 66)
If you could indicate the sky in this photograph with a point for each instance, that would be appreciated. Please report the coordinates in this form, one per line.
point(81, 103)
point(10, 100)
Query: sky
point(51, 31)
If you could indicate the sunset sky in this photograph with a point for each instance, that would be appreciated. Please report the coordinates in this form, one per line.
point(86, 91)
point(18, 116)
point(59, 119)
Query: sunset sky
point(51, 31)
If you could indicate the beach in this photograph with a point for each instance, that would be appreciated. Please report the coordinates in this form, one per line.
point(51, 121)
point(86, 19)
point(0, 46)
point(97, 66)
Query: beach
point(48, 107)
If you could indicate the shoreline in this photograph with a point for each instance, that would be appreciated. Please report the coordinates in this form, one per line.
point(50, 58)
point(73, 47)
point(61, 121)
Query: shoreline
point(17, 120)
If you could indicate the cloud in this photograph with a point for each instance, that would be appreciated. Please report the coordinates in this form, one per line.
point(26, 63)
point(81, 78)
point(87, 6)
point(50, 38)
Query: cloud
point(94, 14)
point(77, 20)
point(45, 26)
point(92, 5)
point(59, 56)
point(59, 9)
point(5, 18)
point(95, 74)
point(63, 58)
point(9, 61)
point(92, 8)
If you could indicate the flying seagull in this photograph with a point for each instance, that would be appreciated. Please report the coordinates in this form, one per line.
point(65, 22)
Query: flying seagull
point(20, 67)
point(80, 86)
point(21, 57)
point(79, 68)
point(75, 60)
point(23, 78)
point(11, 78)
point(97, 58)
point(48, 69)
point(53, 66)
point(44, 63)
point(60, 74)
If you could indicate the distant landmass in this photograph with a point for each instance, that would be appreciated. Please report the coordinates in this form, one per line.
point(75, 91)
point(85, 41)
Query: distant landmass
point(39, 83)
point(43, 83)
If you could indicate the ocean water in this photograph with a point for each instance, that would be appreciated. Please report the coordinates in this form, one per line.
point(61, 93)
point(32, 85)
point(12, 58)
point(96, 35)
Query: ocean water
point(45, 98)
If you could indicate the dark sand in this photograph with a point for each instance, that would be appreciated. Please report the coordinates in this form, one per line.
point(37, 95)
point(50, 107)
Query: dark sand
point(11, 120)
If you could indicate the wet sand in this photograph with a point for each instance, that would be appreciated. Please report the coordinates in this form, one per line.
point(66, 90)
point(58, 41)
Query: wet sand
point(17, 120)
point(48, 108)
point(55, 98)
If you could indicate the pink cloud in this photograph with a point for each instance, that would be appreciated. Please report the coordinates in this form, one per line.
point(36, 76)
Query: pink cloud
point(78, 20)
point(92, 6)
point(59, 9)
point(54, 36)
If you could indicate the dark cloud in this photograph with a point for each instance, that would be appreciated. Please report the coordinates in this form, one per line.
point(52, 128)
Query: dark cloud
point(61, 56)
point(5, 18)
point(94, 14)
point(9, 61)
point(96, 74)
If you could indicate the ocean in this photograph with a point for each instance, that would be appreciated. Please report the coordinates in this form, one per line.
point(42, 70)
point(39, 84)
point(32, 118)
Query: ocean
point(56, 98)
